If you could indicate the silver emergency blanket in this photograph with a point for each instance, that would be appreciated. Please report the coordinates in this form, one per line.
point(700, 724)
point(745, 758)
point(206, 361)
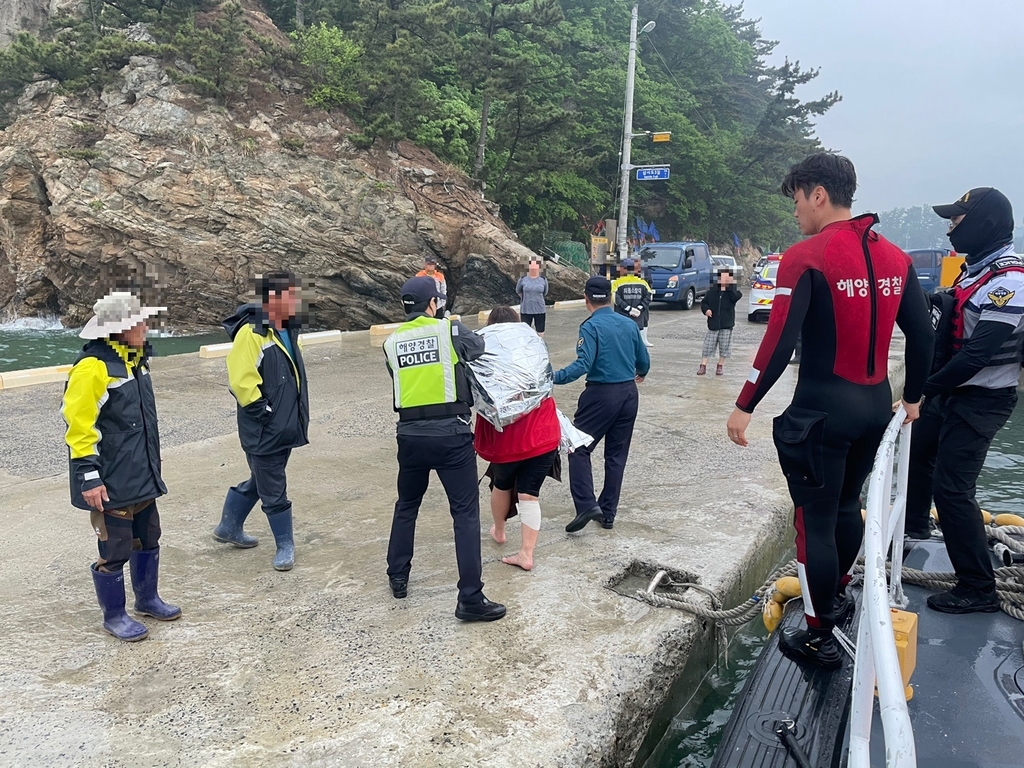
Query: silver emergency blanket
point(513, 376)
point(572, 438)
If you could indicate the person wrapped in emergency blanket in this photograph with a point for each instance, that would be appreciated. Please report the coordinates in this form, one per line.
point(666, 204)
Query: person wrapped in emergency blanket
point(518, 428)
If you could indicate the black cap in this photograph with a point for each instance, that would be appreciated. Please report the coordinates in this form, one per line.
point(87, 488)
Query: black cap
point(430, 259)
point(419, 290)
point(598, 287)
point(964, 204)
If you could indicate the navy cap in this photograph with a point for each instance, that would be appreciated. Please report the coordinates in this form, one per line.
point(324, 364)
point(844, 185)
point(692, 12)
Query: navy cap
point(965, 203)
point(430, 259)
point(627, 263)
point(598, 288)
point(419, 290)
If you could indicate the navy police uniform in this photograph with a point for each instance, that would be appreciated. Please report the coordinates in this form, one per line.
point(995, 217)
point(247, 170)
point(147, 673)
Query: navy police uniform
point(978, 385)
point(611, 354)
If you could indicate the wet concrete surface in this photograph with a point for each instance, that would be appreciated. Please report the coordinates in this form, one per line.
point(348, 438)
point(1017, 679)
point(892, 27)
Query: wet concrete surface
point(321, 666)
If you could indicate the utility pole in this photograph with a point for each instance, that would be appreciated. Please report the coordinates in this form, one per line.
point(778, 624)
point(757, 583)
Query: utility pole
point(627, 135)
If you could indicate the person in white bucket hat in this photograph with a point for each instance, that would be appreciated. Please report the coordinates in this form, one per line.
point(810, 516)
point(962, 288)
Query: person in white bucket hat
point(114, 457)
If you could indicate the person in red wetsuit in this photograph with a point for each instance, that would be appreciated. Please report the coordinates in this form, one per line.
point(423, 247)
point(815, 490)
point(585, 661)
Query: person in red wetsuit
point(521, 456)
point(842, 289)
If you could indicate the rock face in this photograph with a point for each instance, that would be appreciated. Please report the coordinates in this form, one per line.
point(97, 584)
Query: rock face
point(149, 187)
point(28, 15)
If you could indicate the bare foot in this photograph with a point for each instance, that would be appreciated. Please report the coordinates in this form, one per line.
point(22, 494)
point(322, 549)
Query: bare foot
point(520, 560)
point(498, 536)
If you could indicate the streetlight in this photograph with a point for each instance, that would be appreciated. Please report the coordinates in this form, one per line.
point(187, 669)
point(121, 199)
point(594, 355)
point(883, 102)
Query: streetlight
point(627, 134)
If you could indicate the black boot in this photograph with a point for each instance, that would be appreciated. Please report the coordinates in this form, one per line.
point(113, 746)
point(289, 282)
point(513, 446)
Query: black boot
point(399, 586)
point(842, 606)
point(110, 593)
point(145, 567)
point(815, 647)
point(281, 525)
point(229, 530)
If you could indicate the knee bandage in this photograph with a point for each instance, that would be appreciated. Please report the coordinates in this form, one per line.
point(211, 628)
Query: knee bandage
point(529, 513)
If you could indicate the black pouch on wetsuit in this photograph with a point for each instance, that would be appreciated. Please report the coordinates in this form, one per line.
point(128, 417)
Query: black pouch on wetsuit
point(797, 433)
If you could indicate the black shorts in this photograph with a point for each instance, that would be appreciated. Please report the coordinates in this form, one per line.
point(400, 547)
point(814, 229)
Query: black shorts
point(526, 476)
point(537, 321)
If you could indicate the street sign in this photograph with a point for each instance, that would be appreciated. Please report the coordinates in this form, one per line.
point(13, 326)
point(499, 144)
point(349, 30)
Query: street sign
point(651, 174)
point(659, 136)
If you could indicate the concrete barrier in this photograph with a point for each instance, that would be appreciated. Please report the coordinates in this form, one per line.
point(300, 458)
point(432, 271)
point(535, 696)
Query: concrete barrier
point(305, 339)
point(570, 304)
point(32, 376)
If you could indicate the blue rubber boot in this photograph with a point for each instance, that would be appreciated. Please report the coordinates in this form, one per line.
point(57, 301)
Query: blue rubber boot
point(229, 530)
point(281, 525)
point(110, 593)
point(145, 567)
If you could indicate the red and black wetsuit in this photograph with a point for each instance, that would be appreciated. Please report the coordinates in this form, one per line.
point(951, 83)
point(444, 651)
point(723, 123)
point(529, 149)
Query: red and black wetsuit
point(843, 289)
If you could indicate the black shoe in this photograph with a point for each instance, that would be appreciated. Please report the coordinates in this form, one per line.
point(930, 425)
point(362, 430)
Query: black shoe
point(399, 587)
point(580, 521)
point(964, 599)
point(485, 610)
point(842, 606)
point(607, 524)
point(814, 648)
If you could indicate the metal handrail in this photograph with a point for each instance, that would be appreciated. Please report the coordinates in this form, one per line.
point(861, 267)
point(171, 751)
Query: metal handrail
point(877, 662)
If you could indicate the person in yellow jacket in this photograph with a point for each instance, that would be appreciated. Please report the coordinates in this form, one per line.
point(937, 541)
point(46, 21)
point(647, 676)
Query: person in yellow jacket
point(114, 459)
point(268, 380)
point(633, 297)
point(425, 357)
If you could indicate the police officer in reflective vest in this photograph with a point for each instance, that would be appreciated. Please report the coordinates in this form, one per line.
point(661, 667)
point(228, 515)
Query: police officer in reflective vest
point(114, 452)
point(425, 358)
point(614, 359)
point(979, 384)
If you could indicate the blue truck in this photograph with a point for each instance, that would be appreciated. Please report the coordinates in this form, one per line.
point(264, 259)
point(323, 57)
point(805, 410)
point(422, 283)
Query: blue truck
point(679, 273)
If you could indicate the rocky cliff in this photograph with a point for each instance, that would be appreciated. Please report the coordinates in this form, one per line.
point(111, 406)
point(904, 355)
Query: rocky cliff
point(148, 186)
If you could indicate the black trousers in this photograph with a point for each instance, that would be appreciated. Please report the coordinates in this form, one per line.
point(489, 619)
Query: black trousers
point(971, 418)
point(827, 440)
point(267, 482)
point(608, 412)
point(924, 445)
point(454, 460)
point(119, 531)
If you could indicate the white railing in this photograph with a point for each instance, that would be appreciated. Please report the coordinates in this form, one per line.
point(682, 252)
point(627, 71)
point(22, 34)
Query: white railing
point(876, 662)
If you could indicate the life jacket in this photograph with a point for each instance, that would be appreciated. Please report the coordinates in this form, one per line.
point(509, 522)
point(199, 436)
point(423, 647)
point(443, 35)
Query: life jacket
point(961, 295)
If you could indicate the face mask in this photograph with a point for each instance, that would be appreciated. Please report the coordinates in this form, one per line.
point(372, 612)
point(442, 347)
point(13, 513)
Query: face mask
point(986, 228)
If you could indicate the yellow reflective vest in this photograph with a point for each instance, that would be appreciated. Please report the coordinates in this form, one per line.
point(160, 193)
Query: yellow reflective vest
point(422, 359)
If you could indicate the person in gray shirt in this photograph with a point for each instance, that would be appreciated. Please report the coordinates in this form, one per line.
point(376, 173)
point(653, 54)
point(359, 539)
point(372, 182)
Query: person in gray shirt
point(532, 288)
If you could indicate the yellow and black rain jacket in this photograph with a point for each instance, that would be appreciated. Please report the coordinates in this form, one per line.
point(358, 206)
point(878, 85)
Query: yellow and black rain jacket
point(269, 385)
point(112, 434)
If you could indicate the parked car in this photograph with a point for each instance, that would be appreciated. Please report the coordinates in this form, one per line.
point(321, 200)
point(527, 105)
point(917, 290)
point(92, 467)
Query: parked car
point(928, 266)
point(721, 261)
point(678, 273)
point(762, 292)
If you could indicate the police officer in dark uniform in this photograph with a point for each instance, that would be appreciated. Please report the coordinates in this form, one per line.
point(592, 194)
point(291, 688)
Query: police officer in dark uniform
point(425, 357)
point(979, 384)
point(614, 359)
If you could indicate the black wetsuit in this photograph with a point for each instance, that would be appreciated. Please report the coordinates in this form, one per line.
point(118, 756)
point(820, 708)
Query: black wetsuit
point(843, 290)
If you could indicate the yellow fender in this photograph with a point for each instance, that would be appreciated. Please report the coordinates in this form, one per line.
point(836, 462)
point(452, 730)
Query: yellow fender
point(935, 514)
point(771, 614)
point(986, 518)
point(785, 589)
point(1008, 519)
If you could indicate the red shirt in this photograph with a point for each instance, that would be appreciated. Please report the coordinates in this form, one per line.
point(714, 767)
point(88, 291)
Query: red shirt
point(534, 434)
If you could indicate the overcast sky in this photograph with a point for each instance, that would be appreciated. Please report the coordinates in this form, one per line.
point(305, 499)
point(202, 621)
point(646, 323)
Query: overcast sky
point(933, 91)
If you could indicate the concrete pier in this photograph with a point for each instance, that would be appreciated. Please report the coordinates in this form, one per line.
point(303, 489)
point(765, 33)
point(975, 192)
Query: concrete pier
point(321, 666)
